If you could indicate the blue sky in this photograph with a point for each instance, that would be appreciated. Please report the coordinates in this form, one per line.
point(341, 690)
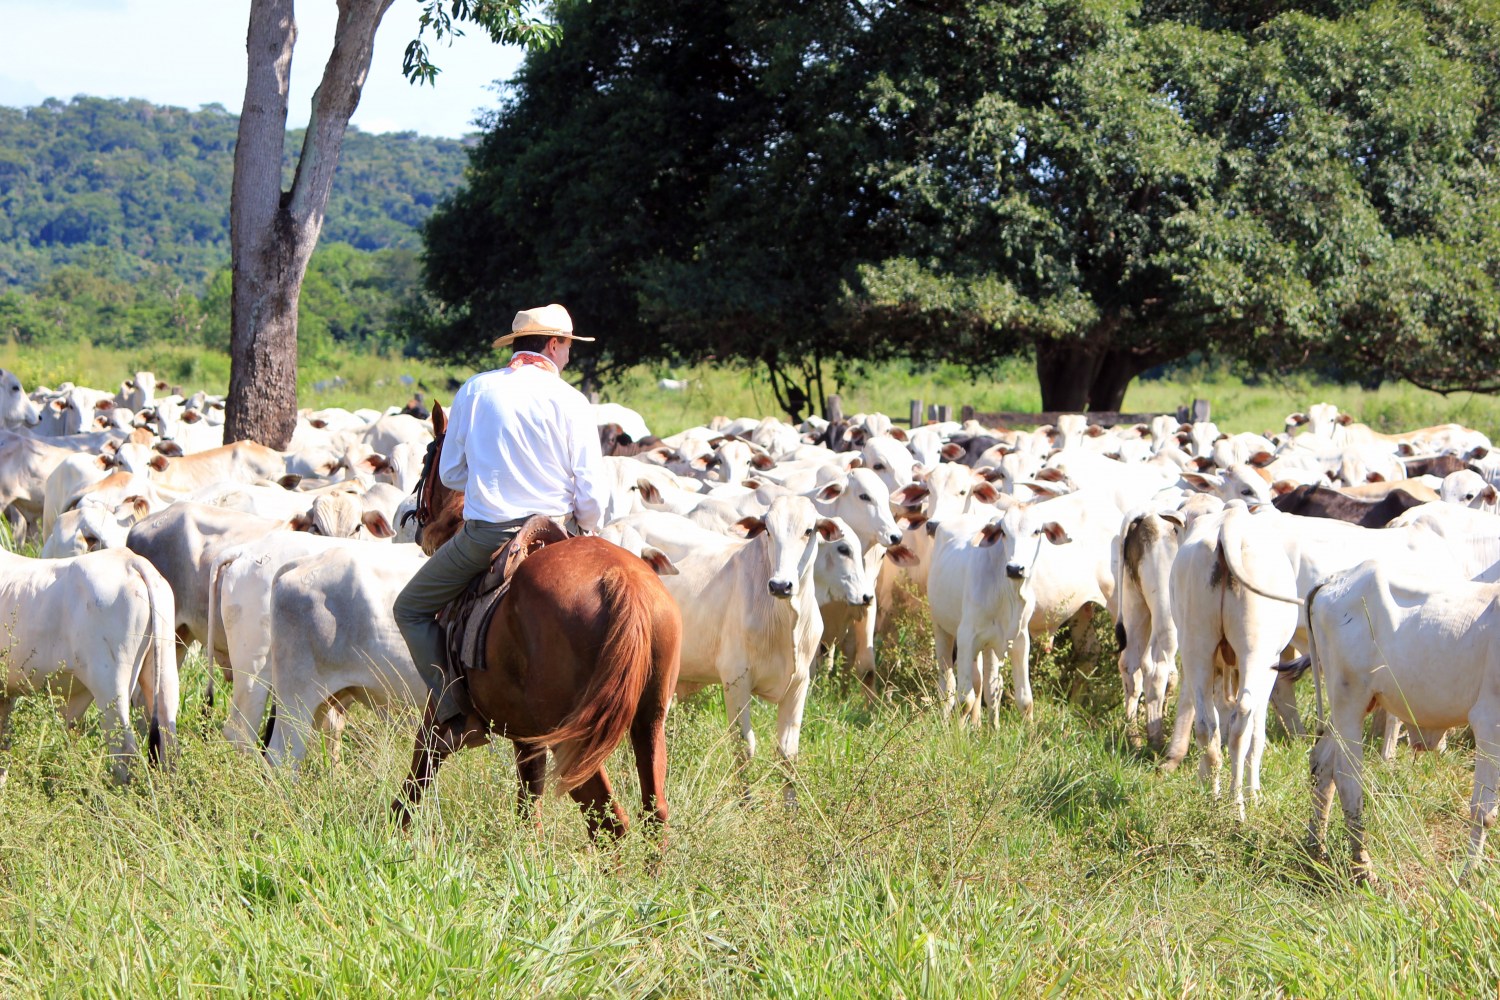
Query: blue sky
point(192, 52)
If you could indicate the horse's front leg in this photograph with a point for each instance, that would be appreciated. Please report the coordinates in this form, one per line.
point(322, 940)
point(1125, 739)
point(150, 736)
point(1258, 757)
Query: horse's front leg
point(432, 748)
point(531, 767)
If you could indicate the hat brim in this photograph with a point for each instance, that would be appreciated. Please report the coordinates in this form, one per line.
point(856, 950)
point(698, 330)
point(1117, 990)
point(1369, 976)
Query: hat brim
point(502, 341)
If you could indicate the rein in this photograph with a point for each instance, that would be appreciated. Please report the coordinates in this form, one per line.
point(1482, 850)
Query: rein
point(426, 484)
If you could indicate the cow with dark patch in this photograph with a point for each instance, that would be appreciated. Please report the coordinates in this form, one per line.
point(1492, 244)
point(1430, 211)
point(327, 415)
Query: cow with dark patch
point(1434, 465)
point(614, 441)
point(1322, 501)
point(966, 450)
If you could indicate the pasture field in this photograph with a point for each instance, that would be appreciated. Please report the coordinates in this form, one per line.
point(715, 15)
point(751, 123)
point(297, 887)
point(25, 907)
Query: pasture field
point(923, 861)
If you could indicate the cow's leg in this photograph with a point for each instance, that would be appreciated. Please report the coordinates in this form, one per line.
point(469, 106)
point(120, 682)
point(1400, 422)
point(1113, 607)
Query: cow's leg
point(991, 662)
point(1390, 730)
point(1131, 635)
point(1083, 643)
point(596, 800)
point(1324, 760)
point(1284, 698)
point(331, 720)
point(1485, 721)
point(531, 770)
point(1020, 672)
point(1348, 722)
point(1160, 661)
point(945, 646)
point(1247, 726)
point(114, 725)
point(7, 705)
point(789, 733)
point(247, 704)
point(970, 677)
point(863, 641)
point(297, 709)
point(1187, 703)
point(737, 694)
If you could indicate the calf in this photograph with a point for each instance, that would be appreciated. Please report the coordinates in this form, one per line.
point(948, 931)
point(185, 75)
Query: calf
point(1374, 631)
point(92, 629)
point(334, 642)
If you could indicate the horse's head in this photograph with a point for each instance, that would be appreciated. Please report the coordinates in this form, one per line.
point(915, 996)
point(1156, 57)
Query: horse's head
point(440, 510)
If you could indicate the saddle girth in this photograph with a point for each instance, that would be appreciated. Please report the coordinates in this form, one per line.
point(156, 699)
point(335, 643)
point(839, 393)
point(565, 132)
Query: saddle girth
point(466, 620)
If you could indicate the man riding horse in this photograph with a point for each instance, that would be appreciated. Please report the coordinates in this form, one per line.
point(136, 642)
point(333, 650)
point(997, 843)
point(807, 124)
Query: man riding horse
point(520, 442)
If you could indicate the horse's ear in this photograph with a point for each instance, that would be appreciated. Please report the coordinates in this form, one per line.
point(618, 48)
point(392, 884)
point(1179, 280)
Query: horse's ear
point(439, 419)
point(750, 526)
point(660, 564)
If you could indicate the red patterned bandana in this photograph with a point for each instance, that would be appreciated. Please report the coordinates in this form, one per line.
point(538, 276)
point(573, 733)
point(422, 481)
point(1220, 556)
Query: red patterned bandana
point(523, 358)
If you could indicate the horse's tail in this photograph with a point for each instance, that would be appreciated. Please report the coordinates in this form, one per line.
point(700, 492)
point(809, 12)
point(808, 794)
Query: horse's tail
point(583, 741)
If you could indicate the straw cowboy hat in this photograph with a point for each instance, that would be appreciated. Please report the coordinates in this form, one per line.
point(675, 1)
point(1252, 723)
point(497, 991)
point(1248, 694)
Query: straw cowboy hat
point(546, 321)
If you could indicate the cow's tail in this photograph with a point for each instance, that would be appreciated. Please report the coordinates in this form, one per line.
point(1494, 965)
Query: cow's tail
point(161, 648)
point(1232, 546)
point(583, 741)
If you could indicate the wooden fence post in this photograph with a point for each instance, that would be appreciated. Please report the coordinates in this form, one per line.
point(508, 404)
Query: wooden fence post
point(966, 413)
point(916, 413)
point(944, 413)
point(1200, 411)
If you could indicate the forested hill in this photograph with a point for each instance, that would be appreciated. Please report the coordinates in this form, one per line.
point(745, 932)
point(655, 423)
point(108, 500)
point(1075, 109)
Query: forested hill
point(125, 186)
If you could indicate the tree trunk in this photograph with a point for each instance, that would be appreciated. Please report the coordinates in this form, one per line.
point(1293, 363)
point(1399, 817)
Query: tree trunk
point(1117, 369)
point(1066, 371)
point(272, 233)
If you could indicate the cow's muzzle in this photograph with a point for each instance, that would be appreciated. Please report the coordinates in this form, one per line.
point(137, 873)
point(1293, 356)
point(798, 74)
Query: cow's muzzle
point(780, 588)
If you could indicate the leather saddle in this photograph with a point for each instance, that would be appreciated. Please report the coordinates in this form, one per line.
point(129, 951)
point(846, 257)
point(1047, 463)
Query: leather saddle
point(466, 619)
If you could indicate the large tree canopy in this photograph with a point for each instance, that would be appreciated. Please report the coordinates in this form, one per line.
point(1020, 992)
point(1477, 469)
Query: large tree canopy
point(1110, 185)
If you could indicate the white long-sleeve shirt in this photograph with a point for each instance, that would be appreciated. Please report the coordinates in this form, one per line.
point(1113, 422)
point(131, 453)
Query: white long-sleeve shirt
point(522, 441)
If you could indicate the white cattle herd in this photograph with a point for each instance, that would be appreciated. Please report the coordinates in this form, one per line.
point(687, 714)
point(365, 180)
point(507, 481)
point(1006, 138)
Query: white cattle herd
point(778, 542)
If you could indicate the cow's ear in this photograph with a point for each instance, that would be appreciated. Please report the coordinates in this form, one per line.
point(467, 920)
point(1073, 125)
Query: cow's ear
point(128, 383)
point(378, 526)
point(989, 534)
point(289, 481)
point(1345, 419)
point(1094, 431)
point(1051, 476)
point(831, 491)
point(985, 493)
point(106, 461)
point(855, 462)
point(899, 434)
point(763, 461)
point(159, 463)
point(952, 452)
point(139, 506)
point(750, 526)
point(1296, 419)
point(1261, 459)
point(1405, 449)
point(828, 529)
point(1173, 517)
point(912, 520)
point(932, 527)
point(1221, 437)
point(191, 417)
point(901, 555)
point(1056, 533)
point(649, 492)
point(989, 474)
point(301, 522)
point(909, 495)
point(857, 435)
point(170, 448)
point(1374, 477)
point(660, 564)
point(1200, 482)
point(318, 423)
point(105, 404)
point(751, 484)
point(162, 386)
point(702, 462)
point(59, 405)
point(1490, 494)
point(1477, 452)
point(1044, 491)
point(1282, 487)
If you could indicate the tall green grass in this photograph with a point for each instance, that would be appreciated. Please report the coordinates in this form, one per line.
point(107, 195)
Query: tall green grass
point(923, 860)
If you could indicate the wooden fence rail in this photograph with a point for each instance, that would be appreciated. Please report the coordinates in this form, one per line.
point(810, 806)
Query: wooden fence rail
point(1195, 412)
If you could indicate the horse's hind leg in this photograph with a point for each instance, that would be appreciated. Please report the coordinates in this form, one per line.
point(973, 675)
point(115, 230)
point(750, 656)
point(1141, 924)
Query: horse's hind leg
point(648, 738)
point(596, 799)
point(531, 768)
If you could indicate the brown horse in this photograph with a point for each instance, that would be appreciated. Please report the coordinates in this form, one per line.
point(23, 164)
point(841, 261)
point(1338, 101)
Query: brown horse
point(583, 648)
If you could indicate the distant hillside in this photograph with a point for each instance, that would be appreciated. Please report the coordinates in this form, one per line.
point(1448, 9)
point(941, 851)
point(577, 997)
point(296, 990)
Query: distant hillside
point(126, 188)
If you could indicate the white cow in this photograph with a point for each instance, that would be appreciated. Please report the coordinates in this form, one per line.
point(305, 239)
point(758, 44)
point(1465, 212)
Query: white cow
point(1467, 488)
point(91, 629)
point(334, 642)
point(17, 409)
point(1423, 647)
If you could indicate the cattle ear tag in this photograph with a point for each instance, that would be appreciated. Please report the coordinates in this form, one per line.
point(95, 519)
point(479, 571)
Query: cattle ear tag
point(989, 535)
